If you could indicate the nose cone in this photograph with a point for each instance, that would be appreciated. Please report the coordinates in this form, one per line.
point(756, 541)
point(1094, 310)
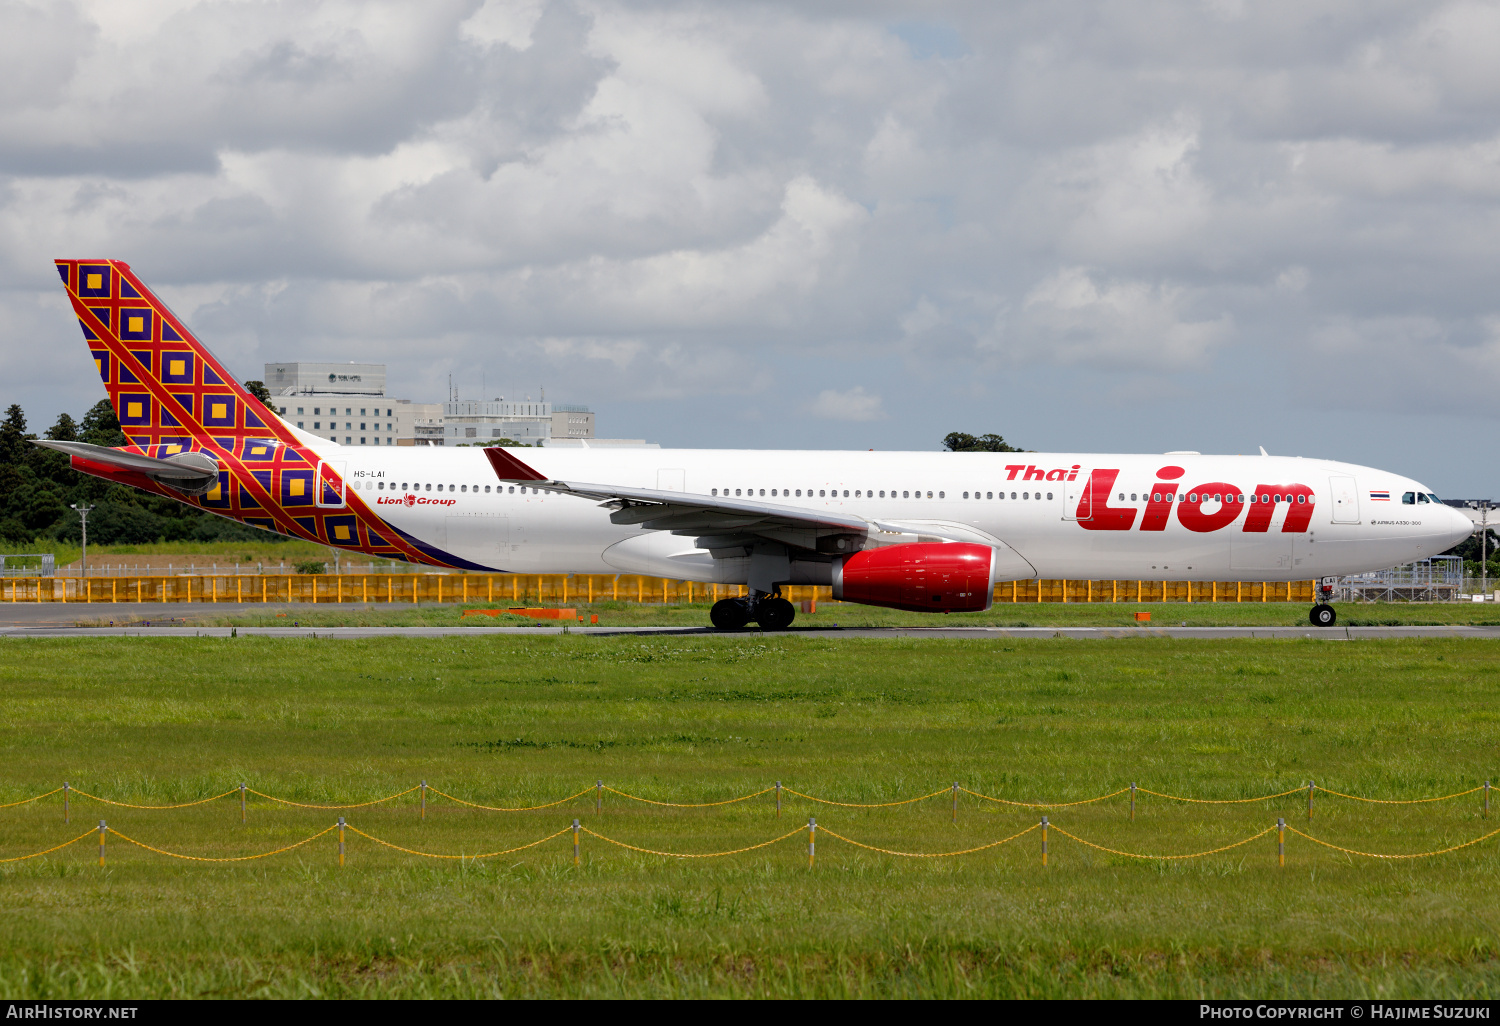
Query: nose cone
point(1454, 527)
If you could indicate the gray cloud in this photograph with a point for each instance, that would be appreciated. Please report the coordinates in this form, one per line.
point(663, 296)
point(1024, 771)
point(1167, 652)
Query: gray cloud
point(1146, 225)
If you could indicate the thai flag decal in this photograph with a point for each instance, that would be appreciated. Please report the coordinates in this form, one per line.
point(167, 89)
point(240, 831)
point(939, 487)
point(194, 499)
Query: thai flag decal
point(1381, 496)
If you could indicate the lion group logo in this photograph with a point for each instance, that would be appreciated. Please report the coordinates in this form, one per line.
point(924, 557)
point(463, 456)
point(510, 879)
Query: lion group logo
point(409, 499)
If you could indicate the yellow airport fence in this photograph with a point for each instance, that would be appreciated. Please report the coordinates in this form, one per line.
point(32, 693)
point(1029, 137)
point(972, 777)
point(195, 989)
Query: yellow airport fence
point(1280, 828)
point(515, 589)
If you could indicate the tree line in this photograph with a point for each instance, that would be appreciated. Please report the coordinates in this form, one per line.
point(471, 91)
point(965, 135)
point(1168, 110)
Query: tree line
point(38, 485)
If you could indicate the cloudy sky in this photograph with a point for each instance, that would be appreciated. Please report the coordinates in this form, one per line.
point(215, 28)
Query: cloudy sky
point(1086, 226)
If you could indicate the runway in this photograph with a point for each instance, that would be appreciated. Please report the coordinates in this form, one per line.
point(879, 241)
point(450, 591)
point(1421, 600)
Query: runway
point(179, 630)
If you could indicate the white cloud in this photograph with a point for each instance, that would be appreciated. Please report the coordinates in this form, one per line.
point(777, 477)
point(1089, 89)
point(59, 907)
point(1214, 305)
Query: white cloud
point(675, 201)
point(1134, 197)
point(851, 404)
point(507, 22)
point(1068, 318)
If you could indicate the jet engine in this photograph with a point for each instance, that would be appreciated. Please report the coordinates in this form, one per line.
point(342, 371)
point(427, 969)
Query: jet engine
point(958, 577)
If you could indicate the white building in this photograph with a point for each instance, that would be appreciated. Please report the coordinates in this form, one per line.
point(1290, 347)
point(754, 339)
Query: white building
point(346, 402)
point(352, 379)
point(469, 422)
point(358, 420)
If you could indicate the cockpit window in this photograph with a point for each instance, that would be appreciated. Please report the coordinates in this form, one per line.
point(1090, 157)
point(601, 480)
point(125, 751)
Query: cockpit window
point(1408, 498)
point(1421, 497)
point(1434, 498)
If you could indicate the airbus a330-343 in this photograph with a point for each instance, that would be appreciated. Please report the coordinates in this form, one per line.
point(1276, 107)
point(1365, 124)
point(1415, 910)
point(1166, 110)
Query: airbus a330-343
point(909, 530)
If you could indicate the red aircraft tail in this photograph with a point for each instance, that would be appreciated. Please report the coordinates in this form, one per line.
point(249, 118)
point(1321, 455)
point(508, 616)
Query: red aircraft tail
point(168, 390)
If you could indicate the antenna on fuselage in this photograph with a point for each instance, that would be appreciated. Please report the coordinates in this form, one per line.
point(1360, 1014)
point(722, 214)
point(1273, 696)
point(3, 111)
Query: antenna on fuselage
point(1263, 451)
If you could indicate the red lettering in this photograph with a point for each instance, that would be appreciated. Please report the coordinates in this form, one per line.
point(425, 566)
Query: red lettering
point(1170, 473)
point(1074, 476)
point(1056, 475)
point(1033, 474)
point(1014, 468)
point(1269, 496)
point(1094, 510)
point(1190, 511)
point(1159, 507)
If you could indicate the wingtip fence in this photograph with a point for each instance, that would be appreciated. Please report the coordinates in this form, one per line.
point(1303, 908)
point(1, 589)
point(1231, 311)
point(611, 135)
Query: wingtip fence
point(577, 830)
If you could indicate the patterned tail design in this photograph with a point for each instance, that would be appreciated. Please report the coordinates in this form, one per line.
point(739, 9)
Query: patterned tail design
point(173, 396)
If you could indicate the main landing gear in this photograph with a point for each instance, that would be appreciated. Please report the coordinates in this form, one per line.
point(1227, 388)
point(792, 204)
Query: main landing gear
point(1322, 614)
point(772, 612)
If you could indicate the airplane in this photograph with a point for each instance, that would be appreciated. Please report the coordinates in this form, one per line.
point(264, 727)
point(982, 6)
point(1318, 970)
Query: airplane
point(934, 532)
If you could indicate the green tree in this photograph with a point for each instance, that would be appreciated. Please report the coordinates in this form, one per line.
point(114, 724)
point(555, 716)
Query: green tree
point(261, 392)
point(14, 445)
point(100, 426)
point(957, 441)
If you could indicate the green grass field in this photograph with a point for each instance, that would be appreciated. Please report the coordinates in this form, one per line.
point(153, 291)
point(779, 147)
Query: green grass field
point(830, 614)
point(269, 551)
point(522, 720)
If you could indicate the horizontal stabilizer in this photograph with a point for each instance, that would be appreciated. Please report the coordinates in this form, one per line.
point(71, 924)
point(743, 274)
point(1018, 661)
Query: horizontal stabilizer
point(190, 472)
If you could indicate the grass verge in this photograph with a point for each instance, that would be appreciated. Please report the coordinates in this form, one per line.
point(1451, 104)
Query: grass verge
point(839, 614)
point(517, 720)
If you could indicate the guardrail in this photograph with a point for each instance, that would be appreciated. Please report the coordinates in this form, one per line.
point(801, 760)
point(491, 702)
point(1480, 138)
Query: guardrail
point(422, 588)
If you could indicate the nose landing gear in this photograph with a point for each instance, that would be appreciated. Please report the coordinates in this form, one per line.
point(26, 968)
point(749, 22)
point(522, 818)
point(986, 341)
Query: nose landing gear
point(1322, 614)
point(772, 612)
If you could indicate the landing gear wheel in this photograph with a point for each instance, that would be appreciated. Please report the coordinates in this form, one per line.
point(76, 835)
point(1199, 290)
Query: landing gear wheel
point(775, 614)
point(1322, 615)
point(729, 614)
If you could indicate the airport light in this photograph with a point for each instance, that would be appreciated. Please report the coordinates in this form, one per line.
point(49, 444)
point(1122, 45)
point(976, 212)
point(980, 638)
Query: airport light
point(1484, 508)
point(83, 523)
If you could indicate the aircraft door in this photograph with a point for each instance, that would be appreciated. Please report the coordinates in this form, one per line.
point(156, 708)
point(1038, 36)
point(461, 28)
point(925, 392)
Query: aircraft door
point(330, 488)
point(1077, 500)
point(1345, 499)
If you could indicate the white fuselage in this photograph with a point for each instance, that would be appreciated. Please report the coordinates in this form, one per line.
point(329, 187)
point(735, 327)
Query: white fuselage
point(451, 499)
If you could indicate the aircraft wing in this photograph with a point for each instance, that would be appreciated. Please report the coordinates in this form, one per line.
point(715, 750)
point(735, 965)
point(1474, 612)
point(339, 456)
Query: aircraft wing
point(716, 520)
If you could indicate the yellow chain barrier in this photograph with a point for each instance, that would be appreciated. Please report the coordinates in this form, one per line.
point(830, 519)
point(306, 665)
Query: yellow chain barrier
point(23, 858)
point(33, 798)
point(239, 858)
point(692, 855)
point(497, 808)
point(1377, 855)
point(1394, 801)
point(1222, 801)
point(928, 855)
point(865, 805)
point(128, 805)
point(689, 805)
point(430, 855)
point(1045, 805)
point(1163, 858)
point(356, 805)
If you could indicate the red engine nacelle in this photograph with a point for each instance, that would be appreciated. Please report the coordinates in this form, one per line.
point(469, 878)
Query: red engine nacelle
point(940, 578)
